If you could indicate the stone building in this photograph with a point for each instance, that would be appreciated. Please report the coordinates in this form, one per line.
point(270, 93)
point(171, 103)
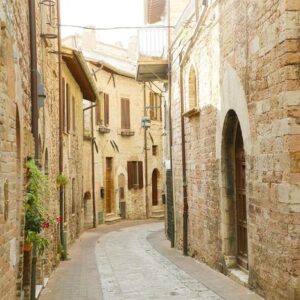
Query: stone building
point(121, 167)
point(235, 140)
point(29, 128)
point(16, 141)
point(234, 97)
point(78, 86)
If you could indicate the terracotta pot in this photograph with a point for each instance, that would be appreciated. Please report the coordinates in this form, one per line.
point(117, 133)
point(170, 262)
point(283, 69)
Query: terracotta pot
point(27, 247)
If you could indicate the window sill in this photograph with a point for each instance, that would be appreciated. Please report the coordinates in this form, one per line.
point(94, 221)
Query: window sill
point(103, 129)
point(195, 111)
point(126, 132)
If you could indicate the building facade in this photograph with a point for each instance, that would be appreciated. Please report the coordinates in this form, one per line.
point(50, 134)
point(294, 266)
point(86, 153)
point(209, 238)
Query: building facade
point(235, 103)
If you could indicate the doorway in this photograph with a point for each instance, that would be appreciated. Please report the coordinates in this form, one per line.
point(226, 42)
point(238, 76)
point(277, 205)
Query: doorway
point(122, 203)
point(234, 203)
point(109, 185)
point(155, 176)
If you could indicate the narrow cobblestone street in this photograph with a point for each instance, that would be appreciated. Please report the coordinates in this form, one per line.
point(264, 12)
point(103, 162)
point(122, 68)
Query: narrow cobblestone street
point(132, 260)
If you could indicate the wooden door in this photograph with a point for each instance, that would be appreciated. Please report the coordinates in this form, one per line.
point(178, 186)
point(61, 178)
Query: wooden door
point(154, 188)
point(108, 185)
point(241, 208)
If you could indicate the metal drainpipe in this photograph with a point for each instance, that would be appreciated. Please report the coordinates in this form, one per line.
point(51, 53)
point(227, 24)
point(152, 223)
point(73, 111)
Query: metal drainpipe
point(170, 106)
point(146, 158)
point(93, 168)
point(184, 179)
point(34, 120)
point(61, 115)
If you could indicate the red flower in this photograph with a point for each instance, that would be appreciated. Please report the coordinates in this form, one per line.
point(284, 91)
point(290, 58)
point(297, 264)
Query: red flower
point(45, 224)
point(59, 219)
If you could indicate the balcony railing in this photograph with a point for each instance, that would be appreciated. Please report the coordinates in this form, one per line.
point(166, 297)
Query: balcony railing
point(153, 42)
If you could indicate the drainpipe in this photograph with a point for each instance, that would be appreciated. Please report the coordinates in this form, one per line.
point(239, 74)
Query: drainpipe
point(93, 162)
point(170, 107)
point(146, 158)
point(184, 179)
point(93, 169)
point(61, 116)
point(34, 120)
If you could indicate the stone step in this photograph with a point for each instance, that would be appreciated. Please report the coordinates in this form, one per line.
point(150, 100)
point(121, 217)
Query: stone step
point(158, 214)
point(111, 219)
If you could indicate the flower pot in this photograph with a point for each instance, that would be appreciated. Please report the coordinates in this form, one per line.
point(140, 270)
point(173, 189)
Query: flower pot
point(27, 247)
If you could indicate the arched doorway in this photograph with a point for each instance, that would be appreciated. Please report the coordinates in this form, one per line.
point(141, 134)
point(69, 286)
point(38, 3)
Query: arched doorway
point(155, 177)
point(234, 204)
point(122, 202)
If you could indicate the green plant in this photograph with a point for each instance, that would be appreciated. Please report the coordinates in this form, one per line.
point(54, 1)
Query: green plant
point(36, 217)
point(62, 180)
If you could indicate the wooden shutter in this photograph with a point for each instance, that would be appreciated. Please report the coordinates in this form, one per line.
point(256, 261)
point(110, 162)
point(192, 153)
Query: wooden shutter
point(140, 166)
point(73, 113)
point(68, 112)
point(98, 117)
point(130, 174)
point(125, 113)
point(160, 107)
point(106, 109)
point(151, 106)
point(63, 97)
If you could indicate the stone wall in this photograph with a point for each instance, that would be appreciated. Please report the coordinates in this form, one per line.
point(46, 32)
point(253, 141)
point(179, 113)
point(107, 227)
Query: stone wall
point(16, 141)
point(247, 61)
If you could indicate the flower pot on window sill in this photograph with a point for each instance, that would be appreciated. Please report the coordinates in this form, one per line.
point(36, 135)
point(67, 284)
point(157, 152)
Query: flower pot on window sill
point(27, 246)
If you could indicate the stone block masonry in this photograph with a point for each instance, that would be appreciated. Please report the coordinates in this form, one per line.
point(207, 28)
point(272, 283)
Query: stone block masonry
point(246, 57)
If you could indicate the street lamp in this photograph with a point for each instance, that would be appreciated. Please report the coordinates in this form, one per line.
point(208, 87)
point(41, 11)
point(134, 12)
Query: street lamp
point(146, 122)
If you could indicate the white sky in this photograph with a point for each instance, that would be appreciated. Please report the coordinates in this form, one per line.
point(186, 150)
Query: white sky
point(103, 13)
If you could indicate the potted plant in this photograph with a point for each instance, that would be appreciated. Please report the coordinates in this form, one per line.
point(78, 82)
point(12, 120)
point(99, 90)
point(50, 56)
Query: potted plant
point(62, 180)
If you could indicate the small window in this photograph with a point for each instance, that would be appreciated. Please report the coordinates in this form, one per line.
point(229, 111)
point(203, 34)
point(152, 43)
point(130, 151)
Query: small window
point(98, 112)
point(73, 196)
point(106, 109)
point(73, 114)
point(125, 113)
point(192, 101)
point(155, 106)
point(135, 174)
point(154, 150)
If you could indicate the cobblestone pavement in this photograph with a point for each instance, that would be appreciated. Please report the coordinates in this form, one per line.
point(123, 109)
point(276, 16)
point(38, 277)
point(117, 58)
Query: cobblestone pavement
point(132, 260)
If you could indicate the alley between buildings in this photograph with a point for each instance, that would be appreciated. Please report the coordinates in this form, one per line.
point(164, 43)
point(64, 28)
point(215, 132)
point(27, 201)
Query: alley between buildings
point(133, 260)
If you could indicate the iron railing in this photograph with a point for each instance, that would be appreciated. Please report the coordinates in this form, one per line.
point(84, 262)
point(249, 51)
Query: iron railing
point(153, 42)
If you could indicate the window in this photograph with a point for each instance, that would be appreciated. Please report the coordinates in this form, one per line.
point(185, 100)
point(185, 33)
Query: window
point(106, 109)
point(154, 150)
point(155, 106)
point(73, 114)
point(125, 113)
point(192, 101)
point(98, 113)
point(66, 106)
point(73, 196)
point(46, 163)
point(135, 174)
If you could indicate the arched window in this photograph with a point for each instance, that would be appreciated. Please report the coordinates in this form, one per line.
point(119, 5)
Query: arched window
point(192, 100)
point(73, 196)
point(46, 163)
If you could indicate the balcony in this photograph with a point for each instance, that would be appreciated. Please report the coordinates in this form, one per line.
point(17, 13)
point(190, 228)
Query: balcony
point(153, 51)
